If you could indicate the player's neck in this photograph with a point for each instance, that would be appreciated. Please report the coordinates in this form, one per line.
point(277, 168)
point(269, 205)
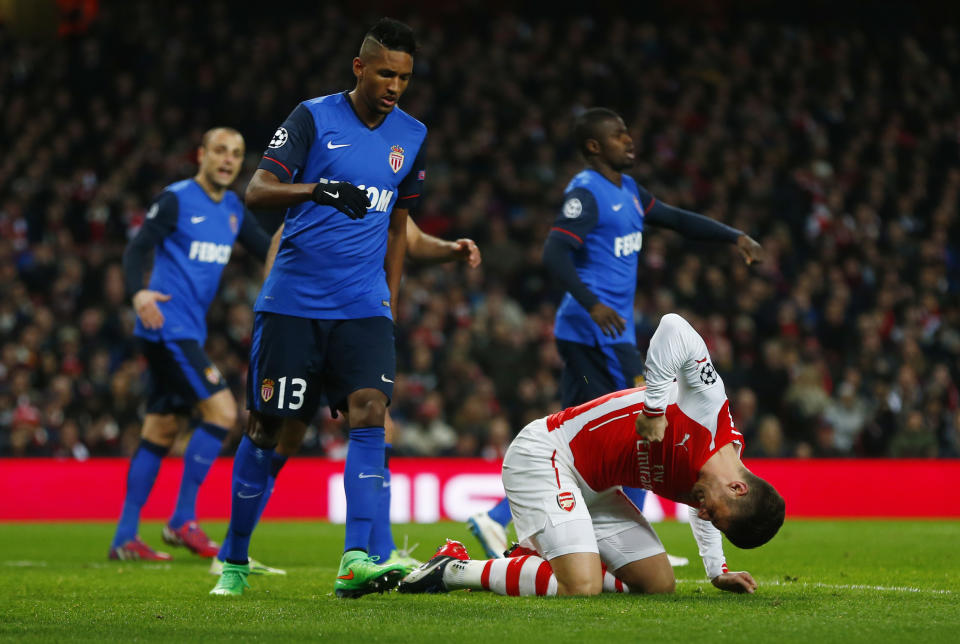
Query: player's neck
point(725, 465)
point(368, 117)
point(608, 173)
point(213, 191)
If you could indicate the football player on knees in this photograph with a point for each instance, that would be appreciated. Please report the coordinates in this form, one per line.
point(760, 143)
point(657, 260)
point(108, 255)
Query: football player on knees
point(191, 227)
point(592, 251)
point(421, 248)
point(563, 475)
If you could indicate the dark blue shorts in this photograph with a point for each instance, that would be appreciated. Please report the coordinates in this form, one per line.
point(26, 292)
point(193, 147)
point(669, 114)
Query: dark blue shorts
point(590, 372)
point(296, 363)
point(180, 375)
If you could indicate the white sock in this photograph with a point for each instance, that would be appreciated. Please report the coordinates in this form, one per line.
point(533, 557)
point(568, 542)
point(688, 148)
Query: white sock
point(526, 575)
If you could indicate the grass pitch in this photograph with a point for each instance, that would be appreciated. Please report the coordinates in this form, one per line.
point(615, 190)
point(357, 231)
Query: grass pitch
point(822, 581)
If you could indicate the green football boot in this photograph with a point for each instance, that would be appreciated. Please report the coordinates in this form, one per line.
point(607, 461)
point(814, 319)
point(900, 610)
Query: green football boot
point(403, 559)
point(256, 568)
point(360, 575)
point(232, 580)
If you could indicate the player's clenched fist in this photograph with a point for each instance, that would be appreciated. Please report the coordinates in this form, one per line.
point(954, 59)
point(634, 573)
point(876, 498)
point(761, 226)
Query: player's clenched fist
point(345, 197)
point(651, 428)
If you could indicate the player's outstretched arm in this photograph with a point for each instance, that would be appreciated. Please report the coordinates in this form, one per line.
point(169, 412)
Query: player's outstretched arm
point(694, 226)
point(425, 248)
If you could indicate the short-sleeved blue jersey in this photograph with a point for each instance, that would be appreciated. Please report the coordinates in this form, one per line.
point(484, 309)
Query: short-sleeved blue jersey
point(190, 258)
point(605, 222)
point(329, 266)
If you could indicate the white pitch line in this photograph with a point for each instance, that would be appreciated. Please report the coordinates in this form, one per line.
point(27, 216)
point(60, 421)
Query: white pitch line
point(894, 589)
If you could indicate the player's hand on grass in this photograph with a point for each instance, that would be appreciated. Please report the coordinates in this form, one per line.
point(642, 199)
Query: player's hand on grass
point(465, 250)
point(750, 249)
point(345, 197)
point(651, 428)
point(145, 305)
point(607, 319)
point(735, 582)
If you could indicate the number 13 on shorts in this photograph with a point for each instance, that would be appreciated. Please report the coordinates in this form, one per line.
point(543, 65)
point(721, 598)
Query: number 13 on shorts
point(285, 396)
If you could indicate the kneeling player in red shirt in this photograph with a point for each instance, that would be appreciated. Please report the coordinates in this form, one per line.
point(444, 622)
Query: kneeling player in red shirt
point(563, 475)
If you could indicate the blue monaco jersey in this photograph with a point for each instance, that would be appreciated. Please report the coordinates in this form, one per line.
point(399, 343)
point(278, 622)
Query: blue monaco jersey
point(189, 260)
point(605, 224)
point(329, 266)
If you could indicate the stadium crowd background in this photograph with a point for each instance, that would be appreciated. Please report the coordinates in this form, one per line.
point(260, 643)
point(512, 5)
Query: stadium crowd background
point(837, 147)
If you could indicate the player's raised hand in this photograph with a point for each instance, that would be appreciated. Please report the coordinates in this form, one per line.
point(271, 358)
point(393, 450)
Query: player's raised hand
point(345, 197)
point(750, 249)
point(651, 428)
point(607, 319)
point(465, 250)
point(735, 582)
point(145, 305)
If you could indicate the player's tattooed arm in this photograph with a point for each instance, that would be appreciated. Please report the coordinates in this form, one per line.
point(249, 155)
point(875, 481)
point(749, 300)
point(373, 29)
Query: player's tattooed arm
point(425, 248)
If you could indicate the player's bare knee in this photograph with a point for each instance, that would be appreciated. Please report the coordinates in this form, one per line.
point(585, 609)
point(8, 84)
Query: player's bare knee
point(264, 430)
point(661, 586)
point(161, 429)
point(583, 587)
point(220, 409)
point(367, 408)
point(291, 436)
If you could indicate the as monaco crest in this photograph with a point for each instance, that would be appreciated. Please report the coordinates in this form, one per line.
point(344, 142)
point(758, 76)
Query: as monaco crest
point(212, 374)
point(266, 389)
point(396, 158)
point(234, 223)
point(566, 501)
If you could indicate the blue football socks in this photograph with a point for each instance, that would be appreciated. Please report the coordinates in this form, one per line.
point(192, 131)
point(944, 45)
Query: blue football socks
point(277, 461)
point(201, 452)
point(140, 477)
point(363, 480)
point(381, 534)
point(501, 512)
point(251, 469)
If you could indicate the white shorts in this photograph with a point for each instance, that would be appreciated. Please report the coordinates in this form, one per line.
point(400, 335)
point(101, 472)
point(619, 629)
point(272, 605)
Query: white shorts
point(557, 513)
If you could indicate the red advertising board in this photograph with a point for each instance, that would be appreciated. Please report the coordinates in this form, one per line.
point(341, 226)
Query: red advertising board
point(425, 490)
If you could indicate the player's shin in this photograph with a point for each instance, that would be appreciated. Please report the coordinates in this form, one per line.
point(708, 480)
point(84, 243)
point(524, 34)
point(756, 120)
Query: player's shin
point(363, 480)
point(251, 469)
point(382, 543)
point(140, 478)
point(277, 461)
point(201, 452)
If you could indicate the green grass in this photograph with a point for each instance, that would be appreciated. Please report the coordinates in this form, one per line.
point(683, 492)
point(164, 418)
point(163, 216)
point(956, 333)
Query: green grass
point(823, 581)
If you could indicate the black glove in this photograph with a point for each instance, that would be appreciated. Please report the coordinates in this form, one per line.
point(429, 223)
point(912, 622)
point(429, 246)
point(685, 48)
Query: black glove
point(345, 197)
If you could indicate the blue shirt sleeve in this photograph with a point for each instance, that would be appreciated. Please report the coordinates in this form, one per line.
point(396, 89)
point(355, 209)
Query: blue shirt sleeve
point(646, 199)
point(287, 151)
point(161, 220)
point(577, 217)
point(410, 190)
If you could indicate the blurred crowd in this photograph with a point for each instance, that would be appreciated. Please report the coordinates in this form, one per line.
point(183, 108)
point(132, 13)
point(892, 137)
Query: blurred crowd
point(837, 148)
